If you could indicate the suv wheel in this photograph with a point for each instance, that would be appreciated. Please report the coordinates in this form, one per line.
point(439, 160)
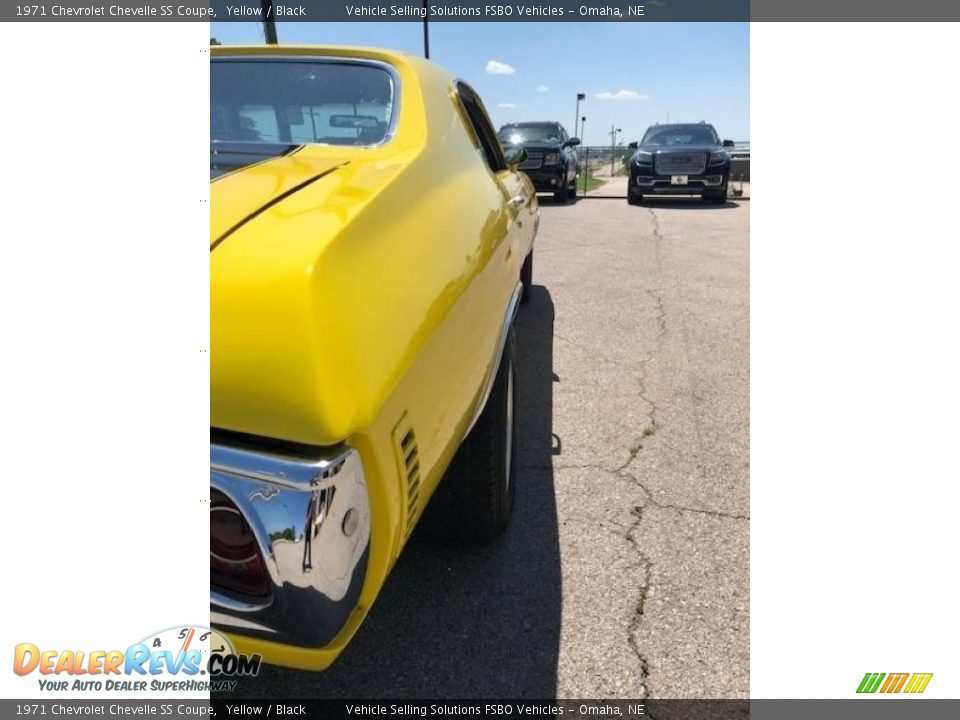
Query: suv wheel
point(475, 499)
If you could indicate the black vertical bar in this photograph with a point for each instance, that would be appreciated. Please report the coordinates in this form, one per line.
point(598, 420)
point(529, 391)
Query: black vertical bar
point(586, 168)
point(426, 29)
point(269, 22)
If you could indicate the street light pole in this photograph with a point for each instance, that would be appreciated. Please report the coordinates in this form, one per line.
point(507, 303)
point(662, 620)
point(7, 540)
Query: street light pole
point(580, 96)
point(586, 154)
point(269, 22)
point(613, 147)
point(426, 29)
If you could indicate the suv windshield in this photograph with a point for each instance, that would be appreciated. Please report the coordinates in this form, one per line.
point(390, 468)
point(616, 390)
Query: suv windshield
point(519, 134)
point(680, 135)
point(276, 101)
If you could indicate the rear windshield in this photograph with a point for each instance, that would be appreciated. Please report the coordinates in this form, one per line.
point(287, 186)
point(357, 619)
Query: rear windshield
point(680, 135)
point(519, 134)
point(311, 101)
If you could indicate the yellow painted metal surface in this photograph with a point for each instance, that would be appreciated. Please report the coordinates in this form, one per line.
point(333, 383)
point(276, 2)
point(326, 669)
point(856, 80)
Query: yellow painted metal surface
point(376, 290)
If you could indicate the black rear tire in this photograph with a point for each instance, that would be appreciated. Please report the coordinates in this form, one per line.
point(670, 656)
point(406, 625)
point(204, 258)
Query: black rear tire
point(526, 277)
point(475, 499)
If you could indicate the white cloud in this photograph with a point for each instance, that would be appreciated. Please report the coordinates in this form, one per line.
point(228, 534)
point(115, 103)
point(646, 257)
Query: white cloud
point(507, 105)
point(622, 95)
point(495, 67)
point(543, 88)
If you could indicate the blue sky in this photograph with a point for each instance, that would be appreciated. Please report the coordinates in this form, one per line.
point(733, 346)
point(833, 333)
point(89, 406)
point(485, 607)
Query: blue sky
point(633, 74)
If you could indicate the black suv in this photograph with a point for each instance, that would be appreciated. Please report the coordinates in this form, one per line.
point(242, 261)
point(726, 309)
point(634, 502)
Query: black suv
point(551, 161)
point(684, 159)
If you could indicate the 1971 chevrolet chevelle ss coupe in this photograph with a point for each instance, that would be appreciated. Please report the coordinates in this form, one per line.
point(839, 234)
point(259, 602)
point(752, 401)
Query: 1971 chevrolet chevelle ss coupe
point(369, 246)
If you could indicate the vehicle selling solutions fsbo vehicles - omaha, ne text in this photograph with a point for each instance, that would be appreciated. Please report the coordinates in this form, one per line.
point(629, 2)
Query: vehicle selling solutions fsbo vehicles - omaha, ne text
point(370, 243)
point(682, 159)
point(551, 161)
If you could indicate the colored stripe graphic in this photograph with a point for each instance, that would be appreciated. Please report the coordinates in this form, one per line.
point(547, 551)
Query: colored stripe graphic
point(918, 683)
point(870, 682)
point(894, 682)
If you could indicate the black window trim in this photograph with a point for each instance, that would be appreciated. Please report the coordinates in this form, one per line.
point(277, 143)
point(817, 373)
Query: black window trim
point(485, 133)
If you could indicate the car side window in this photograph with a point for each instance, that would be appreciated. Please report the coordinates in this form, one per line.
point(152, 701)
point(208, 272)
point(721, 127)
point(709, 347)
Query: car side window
point(563, 135)
point(480, 122)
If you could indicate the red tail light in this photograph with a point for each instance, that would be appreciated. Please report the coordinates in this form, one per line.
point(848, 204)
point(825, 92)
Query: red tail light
point(235, 560)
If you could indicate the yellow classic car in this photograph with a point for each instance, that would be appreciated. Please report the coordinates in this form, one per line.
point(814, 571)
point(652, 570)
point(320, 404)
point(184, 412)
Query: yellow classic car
point(369, 246)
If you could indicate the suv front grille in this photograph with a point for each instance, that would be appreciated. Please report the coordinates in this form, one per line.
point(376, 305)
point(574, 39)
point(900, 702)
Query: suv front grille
point(681, 163)
point(534, 160)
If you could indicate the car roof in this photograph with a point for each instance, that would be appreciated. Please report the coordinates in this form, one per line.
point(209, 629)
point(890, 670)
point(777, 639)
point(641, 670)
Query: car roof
point(360, 51)
point(530, 124)
point(680, 126)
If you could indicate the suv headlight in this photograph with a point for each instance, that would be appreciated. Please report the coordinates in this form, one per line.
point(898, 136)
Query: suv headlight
point(719, 157)
point(643, 158)
point(551, 158)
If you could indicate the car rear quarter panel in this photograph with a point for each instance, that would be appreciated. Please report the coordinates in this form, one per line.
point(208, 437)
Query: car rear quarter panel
point(374, 295)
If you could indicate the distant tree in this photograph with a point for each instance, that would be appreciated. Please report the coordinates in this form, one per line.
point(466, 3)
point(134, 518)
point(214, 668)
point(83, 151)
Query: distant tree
point(214, 41)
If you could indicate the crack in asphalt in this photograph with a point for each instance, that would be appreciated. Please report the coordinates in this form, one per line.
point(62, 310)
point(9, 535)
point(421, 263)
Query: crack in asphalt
point(593, 352)
point(646, 502)
point(633, 628)
point(647, 565)
point(655, 293)
point(633, 450)
point(649, 499)
point(681, 509)
point(657, 296)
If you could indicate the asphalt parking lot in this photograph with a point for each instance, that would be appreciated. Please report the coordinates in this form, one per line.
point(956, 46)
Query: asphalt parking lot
point(626, 571)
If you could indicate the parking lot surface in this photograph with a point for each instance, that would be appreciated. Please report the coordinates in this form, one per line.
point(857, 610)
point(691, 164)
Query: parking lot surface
point(625, 573)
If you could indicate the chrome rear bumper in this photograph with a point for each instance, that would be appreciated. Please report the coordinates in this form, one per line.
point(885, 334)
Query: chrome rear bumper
point(311, 518)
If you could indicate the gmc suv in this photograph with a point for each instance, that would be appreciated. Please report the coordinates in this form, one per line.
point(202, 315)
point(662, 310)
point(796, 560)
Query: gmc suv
point(551, 161)
point(681, 159)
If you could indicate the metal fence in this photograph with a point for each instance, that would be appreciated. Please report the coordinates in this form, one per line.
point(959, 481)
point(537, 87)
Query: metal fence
point(598, 165)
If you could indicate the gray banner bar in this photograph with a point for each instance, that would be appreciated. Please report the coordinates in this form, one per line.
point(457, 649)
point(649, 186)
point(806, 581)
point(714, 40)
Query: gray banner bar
point(873, 708)
point(854, 11)
point(282, 11)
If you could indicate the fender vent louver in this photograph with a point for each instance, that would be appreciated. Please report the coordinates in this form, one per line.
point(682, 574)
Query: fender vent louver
point(408, 457)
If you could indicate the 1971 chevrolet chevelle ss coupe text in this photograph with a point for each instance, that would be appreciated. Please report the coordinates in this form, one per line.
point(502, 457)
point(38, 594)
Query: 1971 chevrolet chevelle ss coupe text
point(370, 244)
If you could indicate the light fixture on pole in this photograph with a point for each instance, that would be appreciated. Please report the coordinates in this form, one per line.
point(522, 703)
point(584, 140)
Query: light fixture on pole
point(580, 96)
